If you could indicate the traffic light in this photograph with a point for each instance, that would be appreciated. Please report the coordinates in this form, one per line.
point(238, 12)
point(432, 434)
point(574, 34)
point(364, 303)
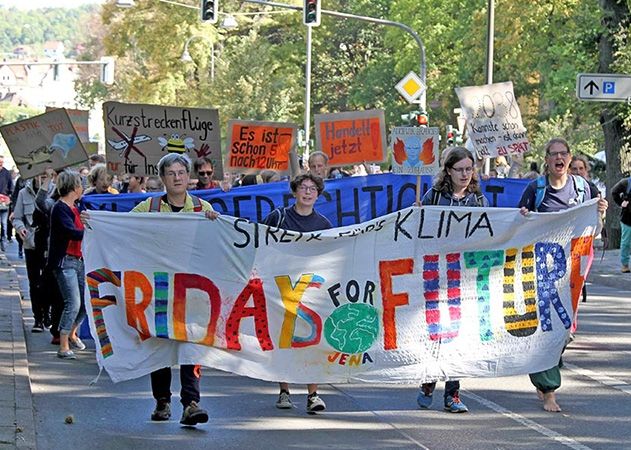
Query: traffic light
point(421, 119)
point(209, 11)
point(458, 136)
point(311, 16)
point(451, 135)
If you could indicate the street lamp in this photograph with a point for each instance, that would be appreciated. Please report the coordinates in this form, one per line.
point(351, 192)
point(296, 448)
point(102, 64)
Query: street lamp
point(186, 56)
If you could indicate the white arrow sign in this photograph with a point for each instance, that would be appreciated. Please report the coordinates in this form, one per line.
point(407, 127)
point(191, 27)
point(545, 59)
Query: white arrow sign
point(603, 87)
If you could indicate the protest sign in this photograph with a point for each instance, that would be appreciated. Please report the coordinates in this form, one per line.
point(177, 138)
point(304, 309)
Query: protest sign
point(254, 145)
point(493, 119)
point(137, 136)
point(47, 140)
point(415, 150)
point(80, 119)
point(352, 137)
point(419, 295)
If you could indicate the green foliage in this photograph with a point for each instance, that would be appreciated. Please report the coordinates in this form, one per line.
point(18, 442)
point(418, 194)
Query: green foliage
point(259, 74)
point(10, 113)
point(35, 27)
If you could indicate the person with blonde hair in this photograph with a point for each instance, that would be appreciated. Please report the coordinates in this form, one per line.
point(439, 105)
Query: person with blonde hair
point(100, 181)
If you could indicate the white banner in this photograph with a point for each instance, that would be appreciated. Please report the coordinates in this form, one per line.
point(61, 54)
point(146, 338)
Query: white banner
point(421, 294)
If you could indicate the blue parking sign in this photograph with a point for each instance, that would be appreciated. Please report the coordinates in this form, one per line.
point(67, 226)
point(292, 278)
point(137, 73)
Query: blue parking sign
point(609, 87)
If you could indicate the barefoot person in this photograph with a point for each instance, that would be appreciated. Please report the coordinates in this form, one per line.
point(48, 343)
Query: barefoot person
point(555, 191)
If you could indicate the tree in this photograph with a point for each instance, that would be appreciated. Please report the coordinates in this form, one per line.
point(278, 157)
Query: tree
point(613, 43)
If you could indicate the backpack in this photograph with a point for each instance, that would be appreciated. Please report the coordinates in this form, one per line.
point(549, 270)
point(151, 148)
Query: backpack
point(156, 202)
point(579, 186)
point(436, 197)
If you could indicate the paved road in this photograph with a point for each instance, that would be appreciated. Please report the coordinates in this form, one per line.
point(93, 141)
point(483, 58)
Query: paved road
point(505, 414)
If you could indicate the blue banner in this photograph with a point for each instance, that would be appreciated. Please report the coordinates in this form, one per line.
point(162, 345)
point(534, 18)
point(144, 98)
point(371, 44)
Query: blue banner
point(345, 201)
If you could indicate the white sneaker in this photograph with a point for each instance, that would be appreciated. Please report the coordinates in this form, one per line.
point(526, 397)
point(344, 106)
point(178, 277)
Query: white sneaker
point(315, 404)
point(77, 344)
point(284, 402)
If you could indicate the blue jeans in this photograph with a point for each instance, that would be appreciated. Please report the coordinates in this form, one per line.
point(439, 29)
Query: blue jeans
point(625, 244)
point(71, 280)
point(4, 215)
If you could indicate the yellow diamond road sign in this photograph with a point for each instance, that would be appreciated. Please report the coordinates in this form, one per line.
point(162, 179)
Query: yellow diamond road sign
point(411, 87)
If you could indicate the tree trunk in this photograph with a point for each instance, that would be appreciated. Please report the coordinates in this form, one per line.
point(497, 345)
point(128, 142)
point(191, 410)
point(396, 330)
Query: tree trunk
point(615, 15)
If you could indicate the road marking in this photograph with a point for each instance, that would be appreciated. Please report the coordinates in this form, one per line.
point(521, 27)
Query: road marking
point(383, 419)
point(600, 378)
point(547, 432)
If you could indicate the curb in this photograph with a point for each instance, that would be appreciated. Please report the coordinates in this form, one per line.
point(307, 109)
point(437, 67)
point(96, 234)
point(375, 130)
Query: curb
point(24, 419)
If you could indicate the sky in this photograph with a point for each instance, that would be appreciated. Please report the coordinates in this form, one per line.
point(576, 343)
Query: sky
point(33, 4)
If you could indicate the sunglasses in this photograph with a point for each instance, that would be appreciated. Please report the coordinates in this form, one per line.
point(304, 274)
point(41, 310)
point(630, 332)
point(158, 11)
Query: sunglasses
point(205, 174)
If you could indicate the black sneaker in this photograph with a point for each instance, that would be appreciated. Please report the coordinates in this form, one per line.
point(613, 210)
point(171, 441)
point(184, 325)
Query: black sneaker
point(38, 327)
point(193, 415)
point(162, 411)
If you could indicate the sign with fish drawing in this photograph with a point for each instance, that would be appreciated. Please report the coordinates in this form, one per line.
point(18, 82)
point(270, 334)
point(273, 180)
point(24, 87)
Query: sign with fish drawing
point(415, 150)
point(47, 140)
point(137, 136)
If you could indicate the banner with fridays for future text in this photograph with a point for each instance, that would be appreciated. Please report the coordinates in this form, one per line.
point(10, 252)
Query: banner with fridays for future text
point(421, 294)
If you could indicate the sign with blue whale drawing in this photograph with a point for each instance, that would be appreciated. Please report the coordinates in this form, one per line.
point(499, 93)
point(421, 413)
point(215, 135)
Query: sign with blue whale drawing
point(47, 140)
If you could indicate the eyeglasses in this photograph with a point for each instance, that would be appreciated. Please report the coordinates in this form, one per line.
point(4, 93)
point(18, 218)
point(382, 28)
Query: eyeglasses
point(204, 173)
point(172, 174)
point(562, 154)
point(308, 188)
point(463, 170)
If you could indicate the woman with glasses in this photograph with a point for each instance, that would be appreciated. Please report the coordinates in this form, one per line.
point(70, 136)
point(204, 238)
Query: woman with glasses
point(301, 217)
point(456, 184)
point(554, 191)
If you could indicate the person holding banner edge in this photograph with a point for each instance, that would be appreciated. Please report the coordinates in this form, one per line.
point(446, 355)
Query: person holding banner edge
point(456, 184)
point(555, 191)
point(304, 218)
point(174, 170)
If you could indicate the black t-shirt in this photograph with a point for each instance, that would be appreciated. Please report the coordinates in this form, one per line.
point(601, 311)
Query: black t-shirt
point(288, 219)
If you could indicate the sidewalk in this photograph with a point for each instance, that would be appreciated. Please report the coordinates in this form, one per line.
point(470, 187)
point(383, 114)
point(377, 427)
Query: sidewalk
point(606, 269)
point(17, 424)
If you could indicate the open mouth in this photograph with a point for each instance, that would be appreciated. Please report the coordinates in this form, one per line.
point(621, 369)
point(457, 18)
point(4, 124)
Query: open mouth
point(559, 165)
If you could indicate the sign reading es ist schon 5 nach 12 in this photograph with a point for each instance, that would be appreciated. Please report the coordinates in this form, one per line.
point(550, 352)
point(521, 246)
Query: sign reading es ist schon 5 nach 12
point(603, 87)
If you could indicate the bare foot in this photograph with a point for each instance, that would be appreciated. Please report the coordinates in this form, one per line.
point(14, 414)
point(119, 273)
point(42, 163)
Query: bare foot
point(539, 395)
point(550, 402)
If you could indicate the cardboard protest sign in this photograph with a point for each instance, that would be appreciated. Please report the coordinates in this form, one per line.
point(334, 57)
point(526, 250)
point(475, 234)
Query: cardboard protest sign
point(254, 145)
point(80, 121)
point(352, 137)
point(493, 119)
point(47, 140)
point(418, 295)
point(137, 136)
point(415, 150)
